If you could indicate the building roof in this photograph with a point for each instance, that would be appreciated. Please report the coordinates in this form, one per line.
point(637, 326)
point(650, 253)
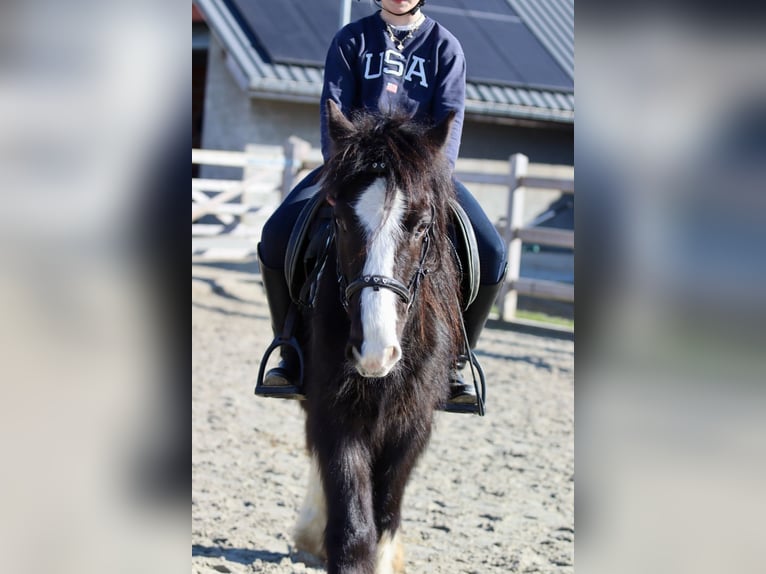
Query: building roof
point(550, 21)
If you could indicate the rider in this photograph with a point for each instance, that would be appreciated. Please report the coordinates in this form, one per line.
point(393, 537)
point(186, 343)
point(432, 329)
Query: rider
point(396, 59)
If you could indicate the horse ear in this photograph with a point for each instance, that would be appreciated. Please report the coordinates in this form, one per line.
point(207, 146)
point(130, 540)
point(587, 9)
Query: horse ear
point(437, 135)
point(338, 125)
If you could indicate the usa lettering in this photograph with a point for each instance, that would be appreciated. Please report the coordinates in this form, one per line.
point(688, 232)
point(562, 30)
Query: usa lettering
point(392, 63)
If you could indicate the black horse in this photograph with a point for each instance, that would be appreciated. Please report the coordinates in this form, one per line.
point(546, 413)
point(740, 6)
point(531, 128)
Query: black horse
point(383, 332)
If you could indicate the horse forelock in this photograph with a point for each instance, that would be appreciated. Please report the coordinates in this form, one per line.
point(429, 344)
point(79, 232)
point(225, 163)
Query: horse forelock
point(413, 165)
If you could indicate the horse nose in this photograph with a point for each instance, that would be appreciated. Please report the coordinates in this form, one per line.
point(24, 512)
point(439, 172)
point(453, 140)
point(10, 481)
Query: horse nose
point(393, 354)
point(376, 364)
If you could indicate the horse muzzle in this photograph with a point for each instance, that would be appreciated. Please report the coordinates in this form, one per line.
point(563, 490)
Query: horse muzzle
point(374, 361)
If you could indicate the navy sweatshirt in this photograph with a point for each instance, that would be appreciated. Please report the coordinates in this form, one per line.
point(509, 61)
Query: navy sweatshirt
point(364, 69)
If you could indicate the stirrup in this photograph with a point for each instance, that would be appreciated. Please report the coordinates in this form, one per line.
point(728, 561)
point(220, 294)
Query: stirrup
point(281, 391)
point(480, 386)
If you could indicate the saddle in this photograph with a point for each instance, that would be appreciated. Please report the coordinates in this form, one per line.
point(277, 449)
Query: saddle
point(313, 233)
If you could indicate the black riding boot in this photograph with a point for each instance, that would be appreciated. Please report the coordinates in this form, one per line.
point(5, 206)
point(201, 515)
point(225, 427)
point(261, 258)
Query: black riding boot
point(463, 397)
point(284, 380)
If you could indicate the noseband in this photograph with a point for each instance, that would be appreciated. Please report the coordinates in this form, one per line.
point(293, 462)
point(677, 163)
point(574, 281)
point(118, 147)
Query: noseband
point(377, 282)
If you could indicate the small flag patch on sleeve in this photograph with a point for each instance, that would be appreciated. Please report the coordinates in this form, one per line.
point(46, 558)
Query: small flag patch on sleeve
point(392, 87)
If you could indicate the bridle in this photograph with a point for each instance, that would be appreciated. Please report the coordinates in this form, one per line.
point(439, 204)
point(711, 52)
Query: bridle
point(377, 282)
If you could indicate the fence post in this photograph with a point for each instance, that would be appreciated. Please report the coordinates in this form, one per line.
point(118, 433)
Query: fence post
point(250, 173)
point(508, 298)
point(295, 150)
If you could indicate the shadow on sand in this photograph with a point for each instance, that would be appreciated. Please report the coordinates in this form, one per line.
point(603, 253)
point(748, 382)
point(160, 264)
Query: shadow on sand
point(240, 555)
point(247, 557)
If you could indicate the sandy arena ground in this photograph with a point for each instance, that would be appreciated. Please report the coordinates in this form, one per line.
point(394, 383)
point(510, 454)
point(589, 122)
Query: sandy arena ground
point(492, 494)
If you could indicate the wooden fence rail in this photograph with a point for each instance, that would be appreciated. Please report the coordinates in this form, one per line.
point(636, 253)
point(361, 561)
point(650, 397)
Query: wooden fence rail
point(237, 209)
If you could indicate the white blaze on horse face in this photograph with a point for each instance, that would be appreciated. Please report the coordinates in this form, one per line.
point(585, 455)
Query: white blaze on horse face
point(380, 349)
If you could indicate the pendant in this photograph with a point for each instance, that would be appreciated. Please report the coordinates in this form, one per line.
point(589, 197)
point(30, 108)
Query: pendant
point(400, 46)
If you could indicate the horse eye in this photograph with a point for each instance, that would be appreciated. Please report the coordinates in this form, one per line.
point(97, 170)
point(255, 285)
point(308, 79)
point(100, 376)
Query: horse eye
point(421, 228)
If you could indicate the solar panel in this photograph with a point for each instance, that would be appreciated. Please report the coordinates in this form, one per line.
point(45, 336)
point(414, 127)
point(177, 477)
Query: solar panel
point(293, 31)
point(494, 7)
point(498, 46)
point(502, 52)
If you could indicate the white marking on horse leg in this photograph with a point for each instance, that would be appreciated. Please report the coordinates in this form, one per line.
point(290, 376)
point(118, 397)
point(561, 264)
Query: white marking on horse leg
point(390, 557)
point(309, 530)
point(380, 349)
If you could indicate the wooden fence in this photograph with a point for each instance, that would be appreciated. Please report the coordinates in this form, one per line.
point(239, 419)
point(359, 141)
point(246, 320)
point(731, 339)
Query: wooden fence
point(238, 208)
point(515, 233)
point(269, 172)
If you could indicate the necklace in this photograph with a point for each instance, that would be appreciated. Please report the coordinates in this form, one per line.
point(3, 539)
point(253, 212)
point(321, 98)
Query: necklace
point(400, 43)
